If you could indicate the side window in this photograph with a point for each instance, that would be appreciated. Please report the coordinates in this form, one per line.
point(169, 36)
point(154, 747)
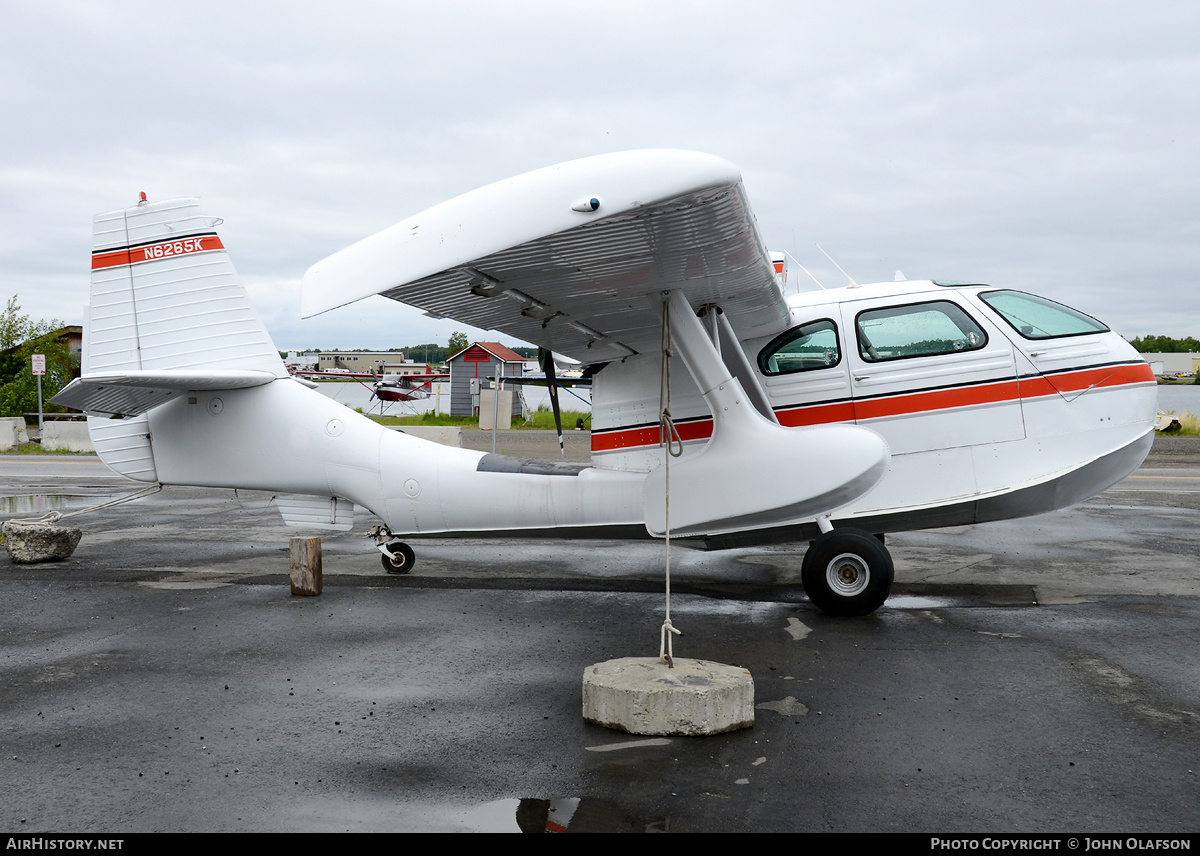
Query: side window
point(918, 330)
point(810, 346)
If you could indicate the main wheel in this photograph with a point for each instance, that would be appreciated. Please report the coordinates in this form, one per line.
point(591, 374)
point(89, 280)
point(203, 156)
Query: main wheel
point(405, 558)
point(847, 572)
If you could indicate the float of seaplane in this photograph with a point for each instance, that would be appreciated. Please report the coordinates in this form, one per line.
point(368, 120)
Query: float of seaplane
point(762, 411)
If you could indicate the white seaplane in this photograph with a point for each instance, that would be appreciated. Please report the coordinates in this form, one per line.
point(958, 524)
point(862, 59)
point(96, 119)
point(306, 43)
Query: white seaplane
point(834, 415)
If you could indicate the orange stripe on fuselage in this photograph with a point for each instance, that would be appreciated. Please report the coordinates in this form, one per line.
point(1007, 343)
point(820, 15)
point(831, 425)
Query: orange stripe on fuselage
point(902, 404)
point(938, 399)
point(1099, 377)
point(701, 429)
point(816, 414)
point(156, 252)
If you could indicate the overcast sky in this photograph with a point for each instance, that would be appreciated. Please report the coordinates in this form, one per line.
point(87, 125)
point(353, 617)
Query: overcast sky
point(1052, 147)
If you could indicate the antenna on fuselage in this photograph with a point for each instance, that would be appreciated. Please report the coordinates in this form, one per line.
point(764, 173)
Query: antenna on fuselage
point(803, 268)
point(792, 260)
point(838, 266)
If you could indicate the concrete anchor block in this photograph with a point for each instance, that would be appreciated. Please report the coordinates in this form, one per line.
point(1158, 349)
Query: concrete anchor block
point(12, 432)
point(67, 437)
point(28, 543)
point(304, 566)
point(641, 695)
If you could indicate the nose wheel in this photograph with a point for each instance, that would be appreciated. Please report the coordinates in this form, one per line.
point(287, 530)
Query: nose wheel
point(847, 572)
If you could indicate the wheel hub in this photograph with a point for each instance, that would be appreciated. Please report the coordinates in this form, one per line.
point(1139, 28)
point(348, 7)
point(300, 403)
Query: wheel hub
point(847, 575)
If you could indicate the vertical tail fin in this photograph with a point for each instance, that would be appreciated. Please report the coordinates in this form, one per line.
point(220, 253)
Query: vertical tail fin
point(164, 296)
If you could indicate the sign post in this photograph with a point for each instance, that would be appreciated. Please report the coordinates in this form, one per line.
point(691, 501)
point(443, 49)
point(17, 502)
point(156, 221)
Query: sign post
point(39, 369)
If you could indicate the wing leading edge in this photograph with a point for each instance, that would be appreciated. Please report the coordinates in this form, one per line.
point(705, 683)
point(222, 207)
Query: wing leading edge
point(573, 257)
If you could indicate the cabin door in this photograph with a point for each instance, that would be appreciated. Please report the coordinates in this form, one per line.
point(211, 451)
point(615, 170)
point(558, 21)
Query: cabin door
point(931, 375)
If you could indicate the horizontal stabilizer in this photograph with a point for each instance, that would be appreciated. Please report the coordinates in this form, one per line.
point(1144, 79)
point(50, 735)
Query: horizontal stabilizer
point(133, 392)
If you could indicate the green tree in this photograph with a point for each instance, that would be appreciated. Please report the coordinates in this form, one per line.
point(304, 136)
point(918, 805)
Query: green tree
point(1165, 345)
point(458, 341)
point(20, 339)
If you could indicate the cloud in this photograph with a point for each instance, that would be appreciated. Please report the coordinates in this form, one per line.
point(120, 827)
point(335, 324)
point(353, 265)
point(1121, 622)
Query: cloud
point(1048, 147)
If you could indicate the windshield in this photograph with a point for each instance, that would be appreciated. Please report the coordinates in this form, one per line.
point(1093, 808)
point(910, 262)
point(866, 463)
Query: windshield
point(1038, 318)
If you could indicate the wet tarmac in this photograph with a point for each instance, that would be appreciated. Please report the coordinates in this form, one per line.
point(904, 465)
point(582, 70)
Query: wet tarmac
point(1036, 676)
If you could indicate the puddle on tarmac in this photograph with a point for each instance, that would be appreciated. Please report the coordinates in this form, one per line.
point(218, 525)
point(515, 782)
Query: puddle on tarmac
point(184, 585)
point(39, 503)
point(558, 815)
point(908, 601)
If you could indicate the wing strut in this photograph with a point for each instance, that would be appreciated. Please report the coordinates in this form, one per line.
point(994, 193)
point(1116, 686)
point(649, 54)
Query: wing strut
point(733, 355)
point(546, 361)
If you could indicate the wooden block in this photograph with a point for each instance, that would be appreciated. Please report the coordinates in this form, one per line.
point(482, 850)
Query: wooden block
point(304, 565)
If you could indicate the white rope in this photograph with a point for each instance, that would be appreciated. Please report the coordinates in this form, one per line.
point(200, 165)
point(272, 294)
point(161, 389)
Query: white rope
point(668, 436)
point(55, 516)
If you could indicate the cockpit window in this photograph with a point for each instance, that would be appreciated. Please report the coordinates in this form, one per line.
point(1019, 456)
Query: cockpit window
point(1038, 318)
point(917, 330)
point(801, 349)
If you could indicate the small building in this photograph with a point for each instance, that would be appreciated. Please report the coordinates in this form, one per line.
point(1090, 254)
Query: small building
point(73, 335)
point(409, 367)
point(306, 360)
point(479, 363)
point(368, 362)
point(1173, 363)
point(70, 336)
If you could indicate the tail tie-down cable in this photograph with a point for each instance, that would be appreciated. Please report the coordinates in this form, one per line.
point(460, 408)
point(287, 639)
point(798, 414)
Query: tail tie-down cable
point(52, 517)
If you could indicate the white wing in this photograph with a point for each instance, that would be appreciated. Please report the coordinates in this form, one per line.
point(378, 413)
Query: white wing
point(573, 257)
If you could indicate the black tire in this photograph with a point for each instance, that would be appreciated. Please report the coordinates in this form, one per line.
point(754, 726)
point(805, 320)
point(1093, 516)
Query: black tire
point(404, 555)
point(847, 572)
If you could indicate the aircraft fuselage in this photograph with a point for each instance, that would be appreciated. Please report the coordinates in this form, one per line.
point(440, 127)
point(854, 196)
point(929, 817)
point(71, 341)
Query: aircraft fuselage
point(982, 420)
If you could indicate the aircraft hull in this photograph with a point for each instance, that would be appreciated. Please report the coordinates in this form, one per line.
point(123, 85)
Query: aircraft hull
point(1057, 492)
